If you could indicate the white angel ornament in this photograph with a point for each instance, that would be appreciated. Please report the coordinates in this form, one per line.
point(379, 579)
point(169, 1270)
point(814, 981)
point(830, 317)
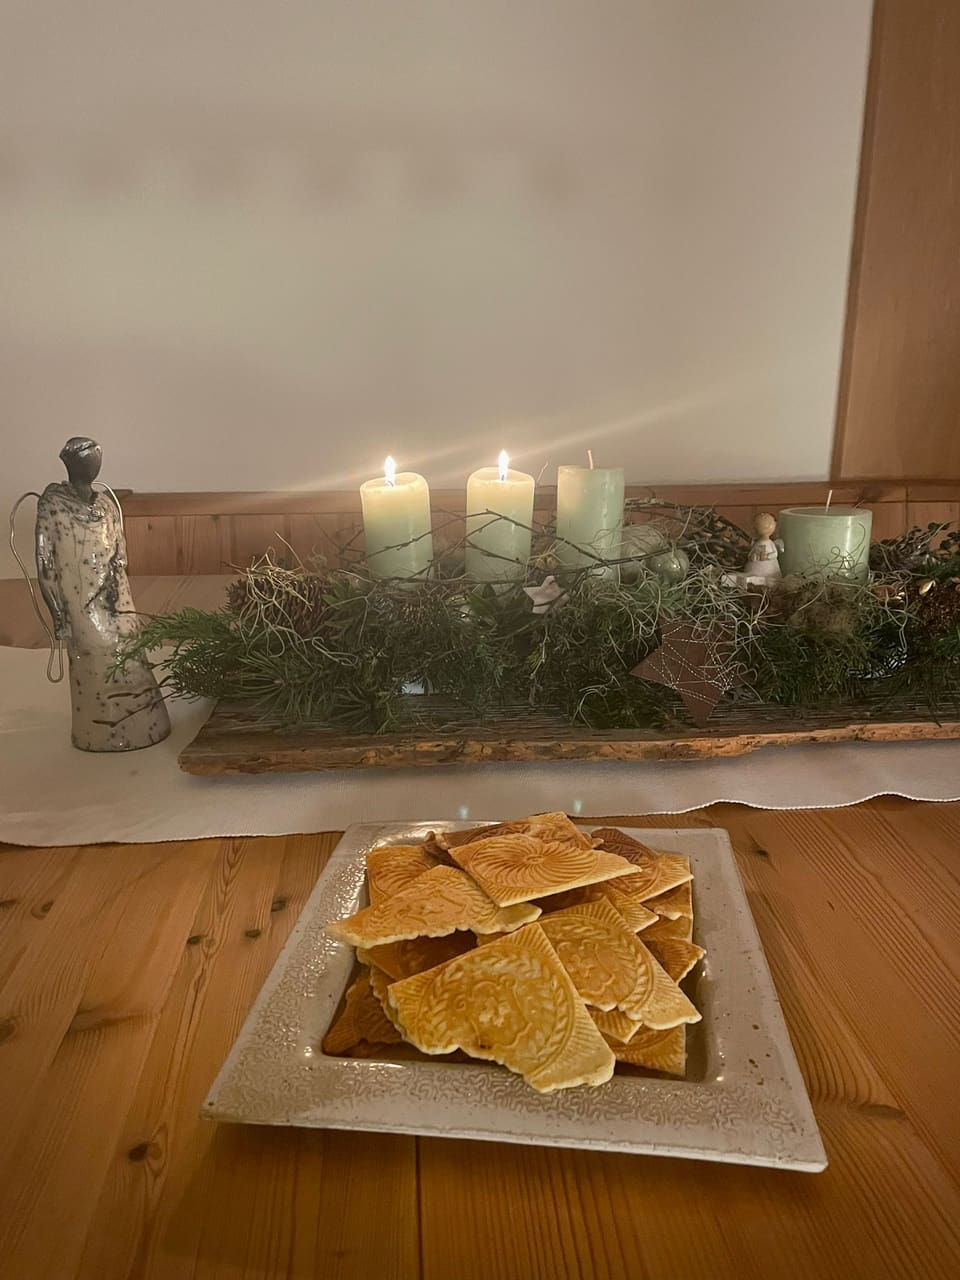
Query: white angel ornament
point(763, 561)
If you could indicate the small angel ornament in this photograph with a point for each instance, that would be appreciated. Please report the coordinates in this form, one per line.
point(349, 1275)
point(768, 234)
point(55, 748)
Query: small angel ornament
point(763, 561)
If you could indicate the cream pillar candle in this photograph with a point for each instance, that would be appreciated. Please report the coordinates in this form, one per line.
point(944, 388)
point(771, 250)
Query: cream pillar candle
point(499, 549)
point(396, 522)
point(589, 514)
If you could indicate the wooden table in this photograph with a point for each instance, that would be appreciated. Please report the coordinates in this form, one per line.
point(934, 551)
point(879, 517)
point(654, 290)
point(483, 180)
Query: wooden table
point(126, 972)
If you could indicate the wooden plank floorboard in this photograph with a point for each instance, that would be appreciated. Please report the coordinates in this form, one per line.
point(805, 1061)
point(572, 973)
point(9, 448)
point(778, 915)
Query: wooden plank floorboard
point(30, 882)
point(63, 1156)
point(150, 1217)
point(42, 994)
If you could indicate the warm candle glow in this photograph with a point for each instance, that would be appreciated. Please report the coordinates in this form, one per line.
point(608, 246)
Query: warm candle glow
point(499, 513)
point(396, 523)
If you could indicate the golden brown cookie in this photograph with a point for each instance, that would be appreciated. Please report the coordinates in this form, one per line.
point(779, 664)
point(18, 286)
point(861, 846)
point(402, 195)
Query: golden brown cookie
point(392, 867)
point(612, 969)
point(664, 928)
point(414, 955)
point(615, 1026)
point(674, 903)
point(676, 955)
point(616, 892)
point(656, 1050)
point(362, 1021)
point(545, 826)
point(436, 903)
point(657, 872)
point(516, 868)
point(512, 1002)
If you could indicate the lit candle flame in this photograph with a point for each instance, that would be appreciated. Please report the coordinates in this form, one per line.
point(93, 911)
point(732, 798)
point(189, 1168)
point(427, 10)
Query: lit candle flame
point(390, 471)
point(503, 462)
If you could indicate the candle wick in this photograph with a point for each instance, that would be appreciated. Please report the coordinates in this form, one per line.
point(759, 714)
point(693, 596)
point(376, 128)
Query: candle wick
point(590, 458)
point(829, 500)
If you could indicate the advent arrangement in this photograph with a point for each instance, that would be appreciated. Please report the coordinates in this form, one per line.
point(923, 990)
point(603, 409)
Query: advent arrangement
point(637, 614)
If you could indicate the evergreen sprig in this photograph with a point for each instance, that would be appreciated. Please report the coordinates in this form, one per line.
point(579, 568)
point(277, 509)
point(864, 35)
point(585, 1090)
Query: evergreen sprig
point(340, 647)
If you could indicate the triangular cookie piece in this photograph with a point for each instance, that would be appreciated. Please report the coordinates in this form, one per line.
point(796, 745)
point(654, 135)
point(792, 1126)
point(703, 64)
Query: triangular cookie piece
point(414, 955)
point(625, 894)
point(676, 955)
point(379, 984)
point(663, 929)
point(618, 841)
point(545, 826)
point(615, 1025)
point(516, 868)
point(436, 903)
point(511, 1002)
point(391, 868)
point(362, 1021)
point(612, 969)
point(656, 1050)
point(656, 872)
point(616, 892)
point(675, 903)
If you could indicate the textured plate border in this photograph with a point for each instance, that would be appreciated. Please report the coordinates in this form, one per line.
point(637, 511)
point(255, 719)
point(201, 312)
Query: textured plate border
point(751, 1107)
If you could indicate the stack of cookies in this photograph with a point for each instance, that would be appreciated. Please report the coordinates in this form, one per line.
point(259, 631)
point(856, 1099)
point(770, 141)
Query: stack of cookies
point(532, 944)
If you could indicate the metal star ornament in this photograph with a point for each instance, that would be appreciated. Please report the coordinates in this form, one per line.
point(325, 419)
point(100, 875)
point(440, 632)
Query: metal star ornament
point(694, 661)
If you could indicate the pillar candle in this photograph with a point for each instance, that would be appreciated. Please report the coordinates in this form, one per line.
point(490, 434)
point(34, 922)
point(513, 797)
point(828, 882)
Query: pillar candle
point(826, 542)
point(589, 513)
point(498, 549)
point(396, 510)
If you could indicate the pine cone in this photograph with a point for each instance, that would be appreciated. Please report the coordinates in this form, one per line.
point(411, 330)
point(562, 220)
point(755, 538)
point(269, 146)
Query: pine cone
point(939, 607)
point(291, 600)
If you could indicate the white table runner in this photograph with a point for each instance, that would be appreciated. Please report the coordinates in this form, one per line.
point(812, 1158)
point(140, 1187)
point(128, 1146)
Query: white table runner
point(51, 794)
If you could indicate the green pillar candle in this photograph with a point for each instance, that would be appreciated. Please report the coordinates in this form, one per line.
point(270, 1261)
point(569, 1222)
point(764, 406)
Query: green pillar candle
point(589, 514)
point(826, 542)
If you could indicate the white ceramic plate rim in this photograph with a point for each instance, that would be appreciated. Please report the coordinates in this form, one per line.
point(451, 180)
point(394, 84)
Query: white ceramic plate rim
point(751, 1107)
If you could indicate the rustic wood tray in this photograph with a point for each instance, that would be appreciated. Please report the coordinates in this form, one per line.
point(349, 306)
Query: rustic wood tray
point(236, 740)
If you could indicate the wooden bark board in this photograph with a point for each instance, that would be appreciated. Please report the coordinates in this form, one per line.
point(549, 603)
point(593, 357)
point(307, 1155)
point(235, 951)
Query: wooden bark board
point(235, 740)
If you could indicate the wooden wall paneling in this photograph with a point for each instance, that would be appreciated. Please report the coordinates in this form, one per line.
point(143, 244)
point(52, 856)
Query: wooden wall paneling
point(899, 401)
point(197, 544)
point(246, 537)
point(293, 502)
point(207, 533)
point(839, 464)
point(136, 530)
point(313, 534)
point(889, 519)
point(924, 513)
point(173, 544)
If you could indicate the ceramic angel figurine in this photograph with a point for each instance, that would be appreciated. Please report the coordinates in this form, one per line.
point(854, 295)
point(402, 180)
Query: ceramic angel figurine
point(763, 561)
point(82, 574)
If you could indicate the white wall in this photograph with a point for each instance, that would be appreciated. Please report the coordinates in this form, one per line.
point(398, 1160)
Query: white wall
point(252, 245)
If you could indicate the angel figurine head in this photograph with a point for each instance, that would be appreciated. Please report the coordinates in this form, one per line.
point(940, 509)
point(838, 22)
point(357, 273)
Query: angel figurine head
point(763, 561)
point(82, 457)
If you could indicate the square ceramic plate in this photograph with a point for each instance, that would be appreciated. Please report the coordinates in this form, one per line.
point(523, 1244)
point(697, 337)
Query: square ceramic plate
point(743, 1099)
